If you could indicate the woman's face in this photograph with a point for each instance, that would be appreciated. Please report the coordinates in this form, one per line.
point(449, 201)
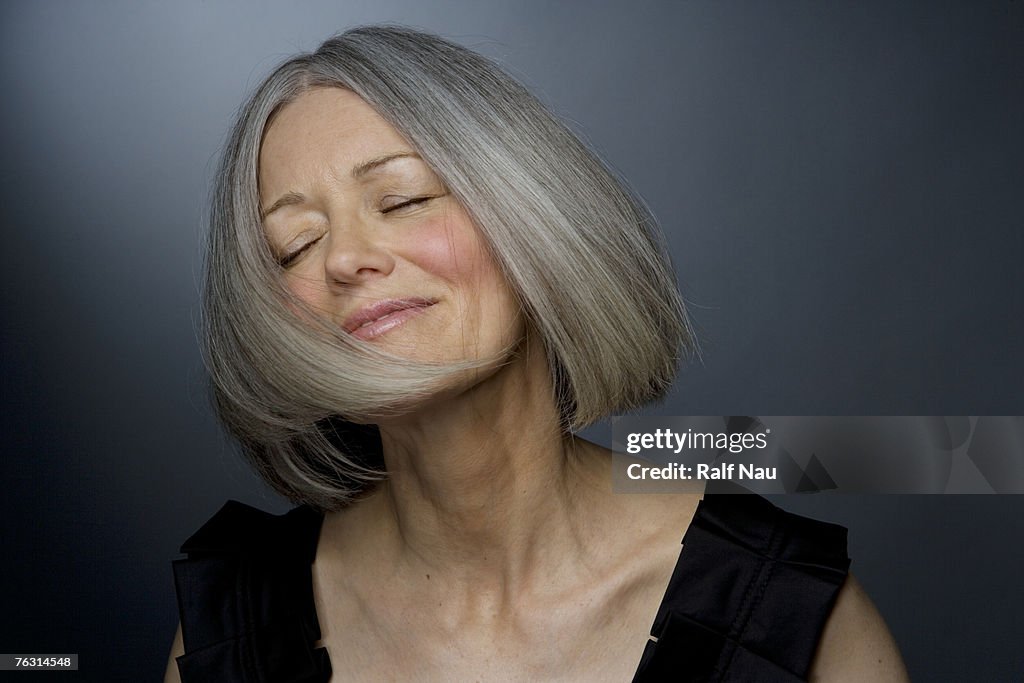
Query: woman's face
point(368, 235)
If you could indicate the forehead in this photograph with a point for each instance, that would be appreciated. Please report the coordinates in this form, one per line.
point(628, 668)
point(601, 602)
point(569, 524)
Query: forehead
point(323, 130)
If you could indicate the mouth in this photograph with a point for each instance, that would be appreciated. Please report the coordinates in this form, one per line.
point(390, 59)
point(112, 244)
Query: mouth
point(383, 316)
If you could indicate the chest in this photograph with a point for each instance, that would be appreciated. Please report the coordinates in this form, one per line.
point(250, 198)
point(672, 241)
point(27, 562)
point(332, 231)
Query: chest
point(482, 658)
point(597, 637)
point(597, 655)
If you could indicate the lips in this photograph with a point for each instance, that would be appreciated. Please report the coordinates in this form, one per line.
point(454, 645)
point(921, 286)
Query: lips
point(379, 317)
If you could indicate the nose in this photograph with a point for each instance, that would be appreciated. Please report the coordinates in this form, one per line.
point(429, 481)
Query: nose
point(353, 257)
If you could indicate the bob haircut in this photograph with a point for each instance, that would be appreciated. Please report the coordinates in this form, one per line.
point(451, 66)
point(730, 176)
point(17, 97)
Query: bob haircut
point(581, 253)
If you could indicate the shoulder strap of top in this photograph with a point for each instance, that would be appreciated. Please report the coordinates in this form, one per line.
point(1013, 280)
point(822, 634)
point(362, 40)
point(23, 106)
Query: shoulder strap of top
point(245, 598)
point(749, 596)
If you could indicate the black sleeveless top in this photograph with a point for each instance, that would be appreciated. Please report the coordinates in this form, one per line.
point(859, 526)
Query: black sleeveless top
point(747, 600)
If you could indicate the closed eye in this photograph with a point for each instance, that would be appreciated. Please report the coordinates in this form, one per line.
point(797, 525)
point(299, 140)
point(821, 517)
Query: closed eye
point(409, 203)
point(291, 257)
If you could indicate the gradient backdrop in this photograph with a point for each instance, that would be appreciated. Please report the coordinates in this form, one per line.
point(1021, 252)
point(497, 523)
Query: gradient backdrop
point(840, 184)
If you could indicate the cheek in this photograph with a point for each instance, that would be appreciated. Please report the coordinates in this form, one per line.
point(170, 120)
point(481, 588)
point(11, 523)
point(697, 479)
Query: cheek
point(306, 289)
point(448, 248)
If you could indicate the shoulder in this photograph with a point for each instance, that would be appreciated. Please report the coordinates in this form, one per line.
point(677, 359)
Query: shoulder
point(751, 593)
point(240, 557)
point(240, 528)
point(856, 644)
point(755, 524)
point(245, 598)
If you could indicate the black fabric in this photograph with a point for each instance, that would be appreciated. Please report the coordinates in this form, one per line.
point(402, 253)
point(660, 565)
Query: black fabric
point(245, 599)
point(747, 600)
point(749, 595)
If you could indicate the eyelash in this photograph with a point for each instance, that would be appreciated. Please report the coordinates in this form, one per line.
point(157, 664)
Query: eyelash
point(409, 202)
point(287, 259)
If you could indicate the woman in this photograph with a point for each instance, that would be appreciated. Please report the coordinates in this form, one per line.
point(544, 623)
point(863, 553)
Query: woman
point(415, 269)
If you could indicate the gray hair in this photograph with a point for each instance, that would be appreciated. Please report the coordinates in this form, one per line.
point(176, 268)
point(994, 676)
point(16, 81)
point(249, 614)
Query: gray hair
point(582, 253)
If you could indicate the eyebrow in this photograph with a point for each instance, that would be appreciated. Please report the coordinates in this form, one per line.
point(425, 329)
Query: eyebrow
point(362, 169)
point(358, 171)
point(287, 199)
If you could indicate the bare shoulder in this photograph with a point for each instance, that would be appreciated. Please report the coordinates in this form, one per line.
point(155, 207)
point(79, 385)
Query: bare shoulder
point(856, 644)
point(177, 649)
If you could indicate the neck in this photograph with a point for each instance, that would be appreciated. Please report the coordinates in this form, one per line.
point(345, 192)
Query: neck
point(483, 486)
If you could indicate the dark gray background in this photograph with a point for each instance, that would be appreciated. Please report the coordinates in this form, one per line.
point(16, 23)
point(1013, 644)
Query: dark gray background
point(840, 184)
